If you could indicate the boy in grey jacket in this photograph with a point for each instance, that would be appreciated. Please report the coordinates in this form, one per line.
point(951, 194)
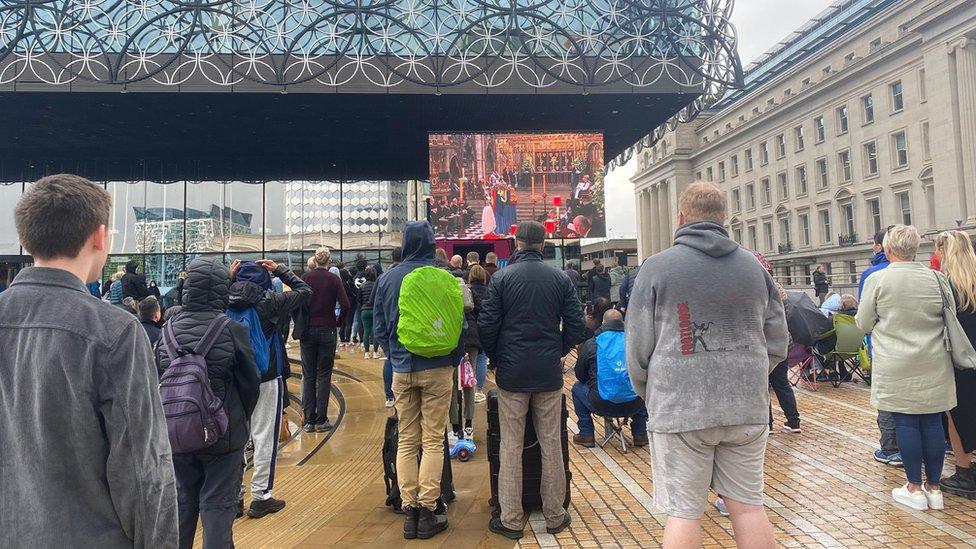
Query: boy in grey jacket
point(705, 326)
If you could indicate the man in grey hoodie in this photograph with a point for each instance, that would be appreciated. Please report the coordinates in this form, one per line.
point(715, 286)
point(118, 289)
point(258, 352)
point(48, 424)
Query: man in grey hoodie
point(705, 326)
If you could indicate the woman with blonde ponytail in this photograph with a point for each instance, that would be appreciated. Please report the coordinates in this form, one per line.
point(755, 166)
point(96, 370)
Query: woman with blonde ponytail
point(958, 262)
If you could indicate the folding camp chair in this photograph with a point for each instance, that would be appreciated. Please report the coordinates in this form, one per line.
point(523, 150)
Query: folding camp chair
point(802, 367)
point(613, 427)
point(846, 352)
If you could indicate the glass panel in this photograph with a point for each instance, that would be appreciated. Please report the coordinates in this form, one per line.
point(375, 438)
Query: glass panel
point(165, 270)
point(204, 231)
point(241, 219)
point(9, 196)
point(314, 211)
point(282, 227)
point(159, 225)
point(292, 260)
point(128, 199)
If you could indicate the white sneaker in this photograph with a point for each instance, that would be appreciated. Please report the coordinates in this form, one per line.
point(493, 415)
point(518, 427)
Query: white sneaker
point(368, 355)
point(934, 499)
point(452, 441)
point(721, 507)
point(469, 434)
point(915, 500)
point(389, 403)
point(480, 397)
point(378, 355)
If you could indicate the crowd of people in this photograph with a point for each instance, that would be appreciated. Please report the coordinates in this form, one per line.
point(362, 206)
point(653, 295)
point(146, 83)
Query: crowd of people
point(156, 408)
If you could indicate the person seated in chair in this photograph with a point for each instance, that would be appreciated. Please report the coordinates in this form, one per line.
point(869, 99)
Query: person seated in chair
point(616, 397)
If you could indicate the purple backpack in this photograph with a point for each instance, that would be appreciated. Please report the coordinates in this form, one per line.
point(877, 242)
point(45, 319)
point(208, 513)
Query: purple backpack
point(195, 418)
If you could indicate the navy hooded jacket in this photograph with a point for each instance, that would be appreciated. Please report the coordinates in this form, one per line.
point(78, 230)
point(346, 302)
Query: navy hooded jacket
point(418, 251)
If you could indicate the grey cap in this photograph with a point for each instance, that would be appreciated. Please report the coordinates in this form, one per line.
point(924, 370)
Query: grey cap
point(530, 232)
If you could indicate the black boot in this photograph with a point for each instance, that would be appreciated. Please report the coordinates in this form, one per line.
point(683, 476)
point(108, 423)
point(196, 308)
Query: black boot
point(962, 483)
point(410, 522)
point(429, 524)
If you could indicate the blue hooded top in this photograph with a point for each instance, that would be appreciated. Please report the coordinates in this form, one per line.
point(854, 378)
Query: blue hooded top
point(878, 262)
point(418, 251)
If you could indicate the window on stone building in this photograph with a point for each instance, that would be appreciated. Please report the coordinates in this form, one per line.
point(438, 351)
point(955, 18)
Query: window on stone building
point(848, 212)
point(734, 165)
point(818, 128)
point(871, 158)
point(768, 233)
point(784, 185)
point(844, 165)
point(737, 235)
point(899, 149)
point(922, 95)
point(897, 98)
point(751, 196)
point(801, 180)
point(708, 170)
point(825, 231)
point(867, 108)
point(753, 238)
point(785, 231)
point(842, 119)
point(852, 271)
point(763, 153)
point(736, 201)
point(823, 178)
point(874, 211)
point(798, 137)
point(780, 145)
point(748, 156)
point(905, 205)
point(721, 171)
point(804, 222)
point(926, 147)
point(767, 192)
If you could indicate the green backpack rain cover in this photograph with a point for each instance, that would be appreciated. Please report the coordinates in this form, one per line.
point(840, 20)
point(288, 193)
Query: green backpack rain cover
point(431, 312)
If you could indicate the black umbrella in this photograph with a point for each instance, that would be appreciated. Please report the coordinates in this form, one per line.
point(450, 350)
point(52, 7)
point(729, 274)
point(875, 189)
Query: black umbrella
point(804, 319)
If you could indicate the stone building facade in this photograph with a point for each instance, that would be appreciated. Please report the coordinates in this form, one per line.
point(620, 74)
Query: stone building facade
point(864, 117)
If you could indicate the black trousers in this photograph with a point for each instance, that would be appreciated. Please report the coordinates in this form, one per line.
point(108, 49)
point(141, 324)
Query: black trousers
point(784, 393)
point(345, 332)
point(207, 489)
point(318, 357)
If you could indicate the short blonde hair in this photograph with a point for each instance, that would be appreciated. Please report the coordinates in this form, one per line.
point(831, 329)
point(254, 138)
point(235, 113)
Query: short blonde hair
point(322, 256)
point(901, 242)
point(703, 202)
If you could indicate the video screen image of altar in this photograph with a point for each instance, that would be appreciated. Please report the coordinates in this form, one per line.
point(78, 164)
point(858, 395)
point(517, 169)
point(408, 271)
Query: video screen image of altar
point(483, 184)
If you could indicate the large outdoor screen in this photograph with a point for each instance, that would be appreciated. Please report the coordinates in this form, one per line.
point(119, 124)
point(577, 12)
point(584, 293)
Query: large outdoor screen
point(482, 184)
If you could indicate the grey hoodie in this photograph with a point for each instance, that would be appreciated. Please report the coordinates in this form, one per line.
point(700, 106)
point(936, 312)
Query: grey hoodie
point(705, 326)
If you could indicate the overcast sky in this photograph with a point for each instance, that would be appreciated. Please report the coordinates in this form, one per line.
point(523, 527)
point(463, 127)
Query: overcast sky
point(759, 24)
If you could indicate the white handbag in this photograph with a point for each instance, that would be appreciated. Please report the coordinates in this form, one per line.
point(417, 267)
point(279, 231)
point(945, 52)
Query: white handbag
point(956, 341)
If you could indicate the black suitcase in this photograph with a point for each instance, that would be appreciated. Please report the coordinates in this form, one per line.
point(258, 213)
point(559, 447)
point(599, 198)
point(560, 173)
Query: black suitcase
point(531, 458)
point(391, 437)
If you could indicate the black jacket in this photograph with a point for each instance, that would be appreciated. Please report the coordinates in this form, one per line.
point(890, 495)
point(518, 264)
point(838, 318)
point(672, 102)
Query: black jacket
point(365, 297)
point(820, 283)
point(520, 319)
point(133, 283)
point(152, 330)
point(600, 286)
point(274, 310)
point(586, 372)
point(471, 336)
point(230, 362)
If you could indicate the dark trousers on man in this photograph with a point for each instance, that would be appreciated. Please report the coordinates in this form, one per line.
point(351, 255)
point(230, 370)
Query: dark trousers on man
point(584, 413)
point(784, 394)
point(207, 489)
point(318, 357)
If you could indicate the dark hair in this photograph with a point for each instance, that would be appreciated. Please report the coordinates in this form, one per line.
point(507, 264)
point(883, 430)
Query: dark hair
point(361, 263)
point(58, 213)
point(600, 306)
point(879, 236)
point(148, 307)
point(397, 254)
point(370, 273)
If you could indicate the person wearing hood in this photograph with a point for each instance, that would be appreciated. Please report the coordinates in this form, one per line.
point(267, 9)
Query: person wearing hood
point(133, 283)
point(208, 480)
point(600, 284)
point(529, 321)
point(251, 295)
point(704, 329)
point(422, 390)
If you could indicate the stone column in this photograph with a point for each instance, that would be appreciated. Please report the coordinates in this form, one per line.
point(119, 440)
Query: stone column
point(652, 227)
point(642, 221)
point(965, 50)
point(664, 216)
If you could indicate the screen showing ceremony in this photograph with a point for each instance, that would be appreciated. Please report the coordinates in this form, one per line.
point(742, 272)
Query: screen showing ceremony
point(484, 184)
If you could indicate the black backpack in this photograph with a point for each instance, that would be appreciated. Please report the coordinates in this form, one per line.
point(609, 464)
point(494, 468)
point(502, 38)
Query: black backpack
point(391, 438)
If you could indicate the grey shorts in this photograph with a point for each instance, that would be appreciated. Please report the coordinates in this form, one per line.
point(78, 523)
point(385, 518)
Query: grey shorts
point(728, 460)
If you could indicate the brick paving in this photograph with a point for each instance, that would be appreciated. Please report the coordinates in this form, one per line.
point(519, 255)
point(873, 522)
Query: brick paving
point(823, 488)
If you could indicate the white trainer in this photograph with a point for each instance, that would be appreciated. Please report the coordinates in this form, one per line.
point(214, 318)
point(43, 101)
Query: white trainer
point(915, 500)
point(934, 499)
point(480, 397)
point(389, 403)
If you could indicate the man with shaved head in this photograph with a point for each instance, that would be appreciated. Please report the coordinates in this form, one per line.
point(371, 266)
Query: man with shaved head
point(589, 399)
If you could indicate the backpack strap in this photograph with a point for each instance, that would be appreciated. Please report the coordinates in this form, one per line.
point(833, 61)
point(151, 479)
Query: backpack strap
point(216, 327)
point(169, 342)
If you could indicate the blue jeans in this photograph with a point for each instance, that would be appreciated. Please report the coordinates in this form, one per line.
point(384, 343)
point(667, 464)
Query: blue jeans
point(357, 325)
point(481, 370)
point(388, 379)
point(921, 440)
point(584, 413)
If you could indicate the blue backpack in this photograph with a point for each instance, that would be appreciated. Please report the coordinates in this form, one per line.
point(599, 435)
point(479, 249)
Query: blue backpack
point(613, 381)
point(260, 343)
